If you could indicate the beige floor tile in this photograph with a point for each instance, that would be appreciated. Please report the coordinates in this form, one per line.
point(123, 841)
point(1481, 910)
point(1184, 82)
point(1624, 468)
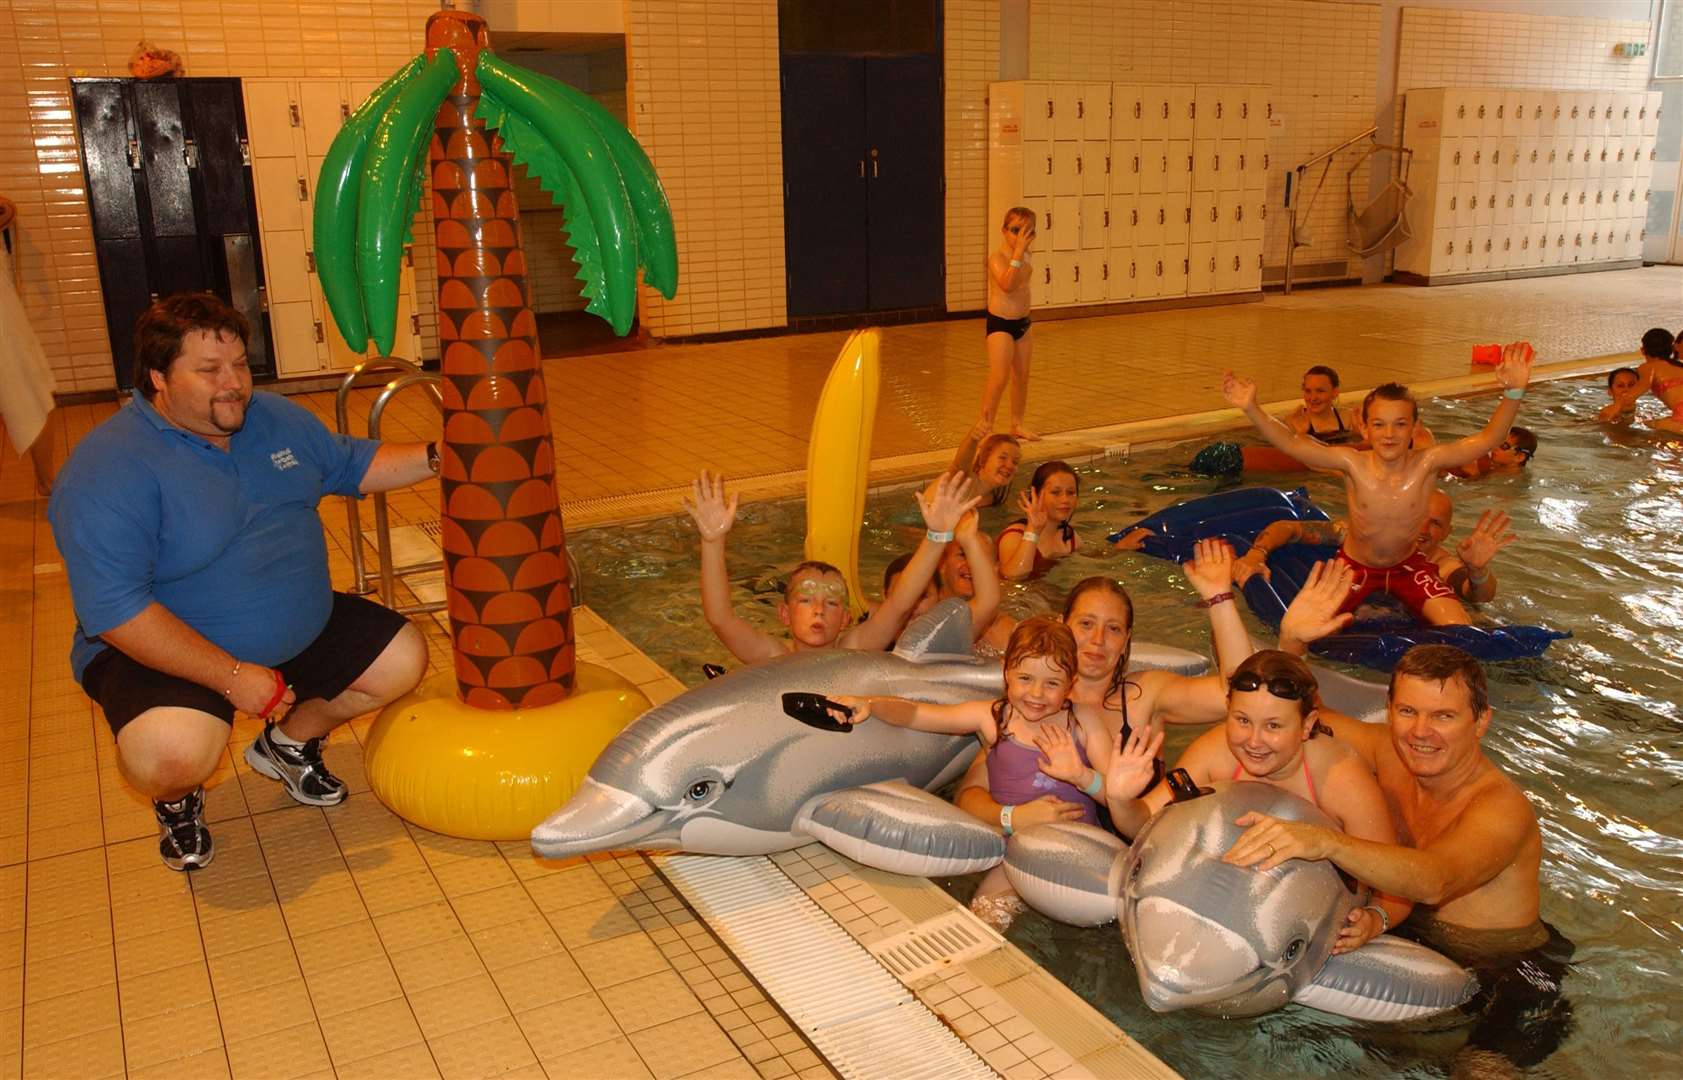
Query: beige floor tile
point(560, 1029)
point(249, 1014)
point(69, 1015)
point(450, 960)
point(466, 877)
point(256, 1059)
point(337, 948)
point(399, 892)
point(615, 1059)
point(412, 1062)
point(54, 976)
point(242, 930)
point(683, 1046)
point(738, 1069)
point(169, 990)
point(516, 942)
point(323, 910)
point(593, 921)
point(354, 986)
point(377, 1029)
point(566, 888)
point(169, 912)
point(148, 953)
point(79, 933)
point(493, 907)
point(205, 1065)
point(487, 1050)
point(650, 1000)
point(452, 1007)
point(417, 927)
point(252, 969)
point(608, 963)
point(170, 1036)
point(85, 1057)
point(540, 982)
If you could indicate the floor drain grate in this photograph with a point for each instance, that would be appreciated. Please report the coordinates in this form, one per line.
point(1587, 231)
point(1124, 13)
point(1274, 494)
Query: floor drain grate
point(933, 946)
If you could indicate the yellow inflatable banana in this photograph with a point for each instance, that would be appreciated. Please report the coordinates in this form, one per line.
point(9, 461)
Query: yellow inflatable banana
point(838, 459)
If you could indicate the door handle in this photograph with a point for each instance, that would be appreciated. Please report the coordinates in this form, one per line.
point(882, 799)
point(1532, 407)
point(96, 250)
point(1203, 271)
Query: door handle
point(861, 168)
point(874, 172)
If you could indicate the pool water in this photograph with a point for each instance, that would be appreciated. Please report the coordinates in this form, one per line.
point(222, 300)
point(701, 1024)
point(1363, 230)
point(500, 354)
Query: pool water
point(1593, 730)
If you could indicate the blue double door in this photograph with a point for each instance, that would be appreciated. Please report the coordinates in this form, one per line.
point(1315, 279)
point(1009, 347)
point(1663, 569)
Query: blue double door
point(864, 206)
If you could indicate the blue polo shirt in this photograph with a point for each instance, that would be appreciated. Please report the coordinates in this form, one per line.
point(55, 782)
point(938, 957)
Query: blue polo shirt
point(228, 540)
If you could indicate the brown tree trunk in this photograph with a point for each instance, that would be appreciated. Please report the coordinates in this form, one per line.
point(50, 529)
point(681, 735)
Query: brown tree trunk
point(504, 549)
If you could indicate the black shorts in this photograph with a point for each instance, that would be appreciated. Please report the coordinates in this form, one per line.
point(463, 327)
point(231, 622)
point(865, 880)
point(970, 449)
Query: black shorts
point(357, 631)
point(1015, 327)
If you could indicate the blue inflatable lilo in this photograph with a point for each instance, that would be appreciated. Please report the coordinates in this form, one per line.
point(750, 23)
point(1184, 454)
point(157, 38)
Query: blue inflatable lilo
point(1373, 640)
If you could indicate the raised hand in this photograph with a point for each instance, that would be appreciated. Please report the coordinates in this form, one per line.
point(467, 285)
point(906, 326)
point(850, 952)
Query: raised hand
point(1059, 757)
point(1239, 391)
point(713, 513)
point(1488, 537)
point(1313, 613)
point(1515, 368)
point(1033, 511)
point(947, 500)
point(967, 525)
point(1134, 765)
point(1210, 570)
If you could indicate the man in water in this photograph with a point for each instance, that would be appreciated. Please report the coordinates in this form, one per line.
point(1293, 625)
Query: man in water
point(1389, 485)
point(1472, 869)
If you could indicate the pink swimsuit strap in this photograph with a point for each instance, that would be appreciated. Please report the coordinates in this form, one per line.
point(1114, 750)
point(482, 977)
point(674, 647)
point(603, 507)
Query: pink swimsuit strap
point(1308, 778)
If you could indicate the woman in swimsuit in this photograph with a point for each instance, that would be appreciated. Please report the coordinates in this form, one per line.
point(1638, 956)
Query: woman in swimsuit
point(1320, 417)
point(1033, 544)
point(1010, 343)
point(1034, 742)
point(1269, 738)
point(1659, 372)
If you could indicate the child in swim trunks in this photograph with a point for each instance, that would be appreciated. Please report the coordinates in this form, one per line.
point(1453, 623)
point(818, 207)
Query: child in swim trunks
point(1031, 545)
point(1010, 343)
point(1389, 485)
point(1036, 744)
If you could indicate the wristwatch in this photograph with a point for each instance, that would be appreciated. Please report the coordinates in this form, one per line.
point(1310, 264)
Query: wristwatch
point(432, 456)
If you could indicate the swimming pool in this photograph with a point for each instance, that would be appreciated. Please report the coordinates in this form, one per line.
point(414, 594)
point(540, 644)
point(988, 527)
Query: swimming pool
point(1593, 730)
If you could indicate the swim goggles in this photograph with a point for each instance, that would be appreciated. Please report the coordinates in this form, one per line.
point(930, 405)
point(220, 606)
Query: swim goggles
point(821, 589)
point(1280, 687)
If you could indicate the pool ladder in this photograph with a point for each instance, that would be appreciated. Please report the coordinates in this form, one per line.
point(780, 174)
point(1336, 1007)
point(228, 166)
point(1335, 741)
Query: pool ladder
point(409, 374)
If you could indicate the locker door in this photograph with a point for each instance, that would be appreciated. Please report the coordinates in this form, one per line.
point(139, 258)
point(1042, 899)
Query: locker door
point(324, 108)
point(1503, 214)
point(1644, 157)
point(1064, 224)
point(1549, 114)
point(1040, 289)
point(1154, 107)
point(1232, 112)
point(1125, 112)
point(1579, 113)
point(1484, 160)
point(1648, 112)
point(1229, 165)
point(1228, 217)
point(1509, 110)
point(1148, 232)
point(1124, 221)
point(1227, 265)
point(1253, 165)
point(1090, 285)
point(1250, 270)
point(1148, 279)
point(1120, 274)
point(1206, 217)
point(1560, 160)
point(1525, 157)
point(1443, 251)
point(1207, 110)
point(1095, 111)
point(1096, 166)
point(1066, 168)
point(1255, 222)
point(1037, 112)
point(1466, 200)
point(1507, 158)
point(271, 117)
point(1206, 164)
point(1176, 266)
point(1125, 167)
point(1176, 221)
point(1531, 119)
point(102, 120)
point(1201, 265)
point(1062, 265)
point(1094, 223)
point(1177, 175)
point(1154, 165)
point(1037, 169)
point(1574, 195)
point(1455, 116)
point(1066, 120)
point(1446, 206)
point(1182, 111)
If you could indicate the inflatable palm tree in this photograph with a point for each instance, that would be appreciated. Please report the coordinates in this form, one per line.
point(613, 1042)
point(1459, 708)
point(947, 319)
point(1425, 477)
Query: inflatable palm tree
point(468, 116)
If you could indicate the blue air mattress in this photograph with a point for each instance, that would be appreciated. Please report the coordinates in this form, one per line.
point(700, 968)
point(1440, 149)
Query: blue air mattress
point(1376, 642)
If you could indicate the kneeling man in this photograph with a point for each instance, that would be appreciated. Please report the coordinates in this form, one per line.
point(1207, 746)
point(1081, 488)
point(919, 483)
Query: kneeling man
point(198, 570)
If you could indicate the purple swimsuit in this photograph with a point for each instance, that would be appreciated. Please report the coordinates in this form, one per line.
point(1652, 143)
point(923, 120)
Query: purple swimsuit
point(1014, 775)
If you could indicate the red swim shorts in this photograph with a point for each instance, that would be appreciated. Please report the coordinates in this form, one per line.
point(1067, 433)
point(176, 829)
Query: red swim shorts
point(1414, 581)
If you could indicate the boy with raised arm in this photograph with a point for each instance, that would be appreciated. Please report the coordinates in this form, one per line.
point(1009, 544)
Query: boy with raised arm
point(1389, 485)
point(815, 607)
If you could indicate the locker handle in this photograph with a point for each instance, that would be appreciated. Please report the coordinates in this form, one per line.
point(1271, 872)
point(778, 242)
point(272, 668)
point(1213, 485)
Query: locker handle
point(294, 114)
point(1104, 271)
point(1107, 164)
point(861, 168)
point(1078, 273)
point(1186, 267)
point(1235, 262)
point(1133, 269)
point(190, 154)
point(1213, 215)
point(1080, 114)
point(1238, 213)
point(1135, 215)
point(310, 261)
point(1188, 163)
point(1218, 163)
point(1457, 157)
point(1107, 219)
point(134, 153)
point(1136, 164)
point(874, 163)
point(1265, 160)
point(1165, 116)
point(1048, 275)
point(1136, 112)
point(1078, 165)
point(1161, 219)
point(1188, 215)
point(344, 111)
point(303, 189)
point(1452, 200)
point(1241, 163)
point(1159, 267)
point(321, 334)
point(1048, 110)
point(1048, 164)
point(1218, 110)
point(245, 152)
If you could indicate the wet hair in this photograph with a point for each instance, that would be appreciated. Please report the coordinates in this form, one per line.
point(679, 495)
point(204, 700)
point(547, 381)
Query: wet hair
point(1441, 663)
point(984, 451)
point(1270, 665)
point(1524, 440)
point(817, 566)
point(1100, 583)
point(894, 570)
point(1042, 476)
point(1019, 213)
point(1042, 635)
point(161, 329)
point(1390, 391)
point(1322, 369)
point(1616, 372)
point(1658, 344)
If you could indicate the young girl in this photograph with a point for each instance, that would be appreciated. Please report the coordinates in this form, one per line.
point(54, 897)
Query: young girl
point(1035, 744)
point(1030, 546)
point(1010, 344)
point(1659, 372)
point(1269, 738)
point(1320, 416)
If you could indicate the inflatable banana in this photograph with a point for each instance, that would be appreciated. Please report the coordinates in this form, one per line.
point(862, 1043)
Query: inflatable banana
point(838, 459)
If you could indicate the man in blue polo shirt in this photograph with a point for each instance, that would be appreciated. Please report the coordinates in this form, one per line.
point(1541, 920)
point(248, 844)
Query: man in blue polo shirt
point(198, 569)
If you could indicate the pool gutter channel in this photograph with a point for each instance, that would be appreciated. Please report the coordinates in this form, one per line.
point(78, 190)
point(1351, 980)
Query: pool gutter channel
point(1079, 445)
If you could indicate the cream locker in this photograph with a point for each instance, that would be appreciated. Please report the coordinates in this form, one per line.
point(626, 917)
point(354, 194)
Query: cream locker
point(1484, 159)
point(1457, 118)
point(1441, 254)
point(1095, 223)
point(1124, 221)
point(1464, 204)
point(1154, 165)
point(1555, 198)
point(1148, 273)
point(1501, 247)
point(1204, 212)
point(1507, 159)
point(1463, 260)
point(293, 326)
point(1037, 171)
point(1531, 111)
point(1229, 215)
point(1125, 167)
point(1041, 206)
point(1451, 161)
point(1176, 266)
point(1095, 112)
point(1503, 215)
point(1182, 112)
point(1644, 157)
point(1125, 112)
point(1634, 241)
point(1256, 111)
point(1206, 164)
point(1608, 104)
point(1619, 118)
point(1040, 290)
point(1235, 110)
point(281, 191)
point(1621, 205)
point(1479, 258)
point(1176, 222)
point(1229, 165)
point(1200, 269)
point(1154, 111)
point(1648, 113)
point(1148, 221)
point(1583, 165)
point(1510, 111)
point(1583, 102)
point(1255, 221)
point(1548, 115)
point(1624, 160)
point(1177, 174)
point(1559, 155)
point(1525, 157)
point(1609, 206)
point(1090, 285)
point(1250, 265)
point(1230, 264)
point(1063, 224)
point(272, 117)
point(1066, 118)
point(1037, 112)
point(1094, 165)
point(1573, 194)
point(1207, 110)
point(1253, 165)
point(1119, 274)
point(1066, 168)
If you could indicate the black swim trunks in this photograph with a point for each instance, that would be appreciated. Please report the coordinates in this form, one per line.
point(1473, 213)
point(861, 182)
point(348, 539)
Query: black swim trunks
point(1015, 327)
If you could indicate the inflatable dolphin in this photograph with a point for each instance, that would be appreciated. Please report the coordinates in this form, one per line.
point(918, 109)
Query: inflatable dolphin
point(722, 770)
point(1222, 939)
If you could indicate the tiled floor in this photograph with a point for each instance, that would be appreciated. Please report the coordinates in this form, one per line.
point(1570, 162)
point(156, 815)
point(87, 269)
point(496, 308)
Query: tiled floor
point(347, 942)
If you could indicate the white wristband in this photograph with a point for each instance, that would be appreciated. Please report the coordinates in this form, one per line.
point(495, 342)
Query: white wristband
point(1016, 264)
point(1005, 818)
point(1031, 537)
point(1384, 919)
point(939, 537)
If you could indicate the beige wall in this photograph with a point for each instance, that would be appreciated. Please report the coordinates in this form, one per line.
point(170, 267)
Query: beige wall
point(1441, 47)
point(704, 101)
point(970, 47)
point(44, 42)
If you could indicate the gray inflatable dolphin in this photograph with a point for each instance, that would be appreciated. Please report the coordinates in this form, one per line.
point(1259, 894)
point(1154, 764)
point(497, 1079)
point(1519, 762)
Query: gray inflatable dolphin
point(1222, 939)
point(721, 770)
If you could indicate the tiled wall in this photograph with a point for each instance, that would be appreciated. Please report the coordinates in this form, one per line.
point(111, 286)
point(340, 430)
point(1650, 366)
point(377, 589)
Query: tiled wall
point(704, 101)
point(1320, 59)
point(970, 57)
point(44, 42)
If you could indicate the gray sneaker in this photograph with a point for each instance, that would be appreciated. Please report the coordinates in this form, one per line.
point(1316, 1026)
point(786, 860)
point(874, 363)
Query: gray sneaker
point(183, 840)
point(299, 768)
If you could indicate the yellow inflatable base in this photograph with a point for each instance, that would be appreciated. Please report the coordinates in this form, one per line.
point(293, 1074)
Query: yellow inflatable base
point(485, 775)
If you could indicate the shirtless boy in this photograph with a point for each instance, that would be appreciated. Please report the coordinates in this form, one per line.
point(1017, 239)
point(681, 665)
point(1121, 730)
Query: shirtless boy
point(1010, 342)
point(815, 608)
point(1389, 486)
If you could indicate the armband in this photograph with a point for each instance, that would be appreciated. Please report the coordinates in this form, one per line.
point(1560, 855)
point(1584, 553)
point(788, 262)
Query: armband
point(939, 537)
point(1384, 919)
point(1016, 264)
point(1005, 818)
point(1514, 392)
point(1095, 786)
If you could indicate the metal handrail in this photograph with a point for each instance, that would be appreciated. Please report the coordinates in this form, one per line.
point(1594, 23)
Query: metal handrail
point(341, 415)
point(382, 522)
point(1291, 202)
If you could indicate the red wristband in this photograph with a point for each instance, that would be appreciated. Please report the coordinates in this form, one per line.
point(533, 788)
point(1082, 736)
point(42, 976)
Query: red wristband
point(1218, 598)
point(280, 692)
